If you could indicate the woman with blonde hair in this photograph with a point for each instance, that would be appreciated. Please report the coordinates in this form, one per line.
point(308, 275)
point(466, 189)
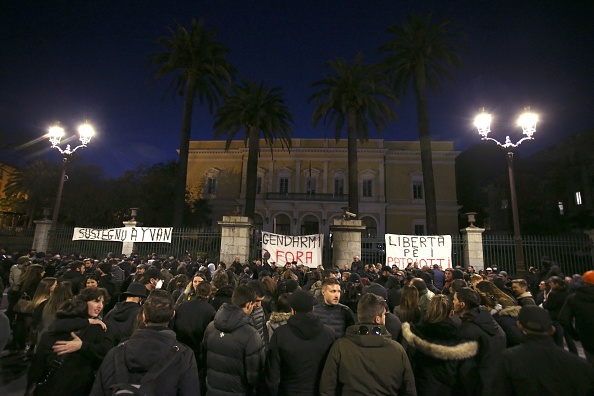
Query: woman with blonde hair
point(408, 310)
point(496, 293)
point(36, 290)
point(436, 352)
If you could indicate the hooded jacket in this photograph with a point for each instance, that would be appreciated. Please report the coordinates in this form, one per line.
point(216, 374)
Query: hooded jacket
point(146, 348)
point(296, 355)
point(232, 352)
point(367, 364)
point(437, 353)
point(277, 319)
point(478, 325)
point(121, 319)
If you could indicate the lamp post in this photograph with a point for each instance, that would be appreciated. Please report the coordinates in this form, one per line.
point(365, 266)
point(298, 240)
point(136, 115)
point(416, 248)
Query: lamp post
point(55, 135)
point(528, 123)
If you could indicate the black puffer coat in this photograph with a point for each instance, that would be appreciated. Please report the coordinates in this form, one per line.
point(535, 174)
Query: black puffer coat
point(233, 353)
point(338, 316)
point(580, 306)
point(190, 322)
point(436, 354)
point(121, 320)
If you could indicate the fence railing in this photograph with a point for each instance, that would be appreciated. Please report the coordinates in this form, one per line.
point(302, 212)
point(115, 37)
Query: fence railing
point(573, 253)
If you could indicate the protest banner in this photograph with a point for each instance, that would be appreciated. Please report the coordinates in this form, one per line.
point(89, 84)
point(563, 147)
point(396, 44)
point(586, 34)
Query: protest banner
point(304, 249)
point(405, 250)
point(124, 234)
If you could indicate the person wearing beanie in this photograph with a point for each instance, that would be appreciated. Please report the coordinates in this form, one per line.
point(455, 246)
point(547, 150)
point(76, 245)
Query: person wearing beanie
point(538, 366)
point(299, 348)
point(577, 316)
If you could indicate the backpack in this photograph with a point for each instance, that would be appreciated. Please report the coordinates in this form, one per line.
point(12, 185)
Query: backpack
point(145, 387)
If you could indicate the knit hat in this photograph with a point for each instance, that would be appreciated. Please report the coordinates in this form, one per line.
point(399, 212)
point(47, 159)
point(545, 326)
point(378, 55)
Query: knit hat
point(105, 268)
point(457, 274)
point(588, 277)
point(535, 318)
point(377, 289)
point(301, 301)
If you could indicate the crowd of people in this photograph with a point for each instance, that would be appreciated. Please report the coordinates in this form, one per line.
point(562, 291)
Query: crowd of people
point(184, 326)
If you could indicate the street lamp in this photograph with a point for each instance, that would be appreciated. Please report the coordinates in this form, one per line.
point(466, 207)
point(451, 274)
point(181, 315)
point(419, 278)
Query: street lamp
point(528, 123)
point(55, 135)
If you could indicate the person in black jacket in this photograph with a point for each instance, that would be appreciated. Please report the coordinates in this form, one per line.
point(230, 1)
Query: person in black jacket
point(122, 317)
point(190, 322)
point(436, 350)
point(330, 311)
point(72, 349)
point(554, 303)
point(479, 325)
point(298, 350)
point(538, 366)
point(232, 350)
point(152, 346)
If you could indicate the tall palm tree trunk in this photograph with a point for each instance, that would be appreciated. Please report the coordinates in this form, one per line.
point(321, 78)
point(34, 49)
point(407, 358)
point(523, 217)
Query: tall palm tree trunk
point(420, 84)
point(353, 162)
point(252, 172)
point(184, 151)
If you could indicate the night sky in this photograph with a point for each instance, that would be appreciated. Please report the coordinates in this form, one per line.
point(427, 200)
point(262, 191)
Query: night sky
point(77, 60)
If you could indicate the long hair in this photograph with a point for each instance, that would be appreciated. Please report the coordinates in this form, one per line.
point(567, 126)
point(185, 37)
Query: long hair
point(409, 305)
point(32, 276)
point(269, 284)
point(496, 293)
point(42, 292)
point(62, 293)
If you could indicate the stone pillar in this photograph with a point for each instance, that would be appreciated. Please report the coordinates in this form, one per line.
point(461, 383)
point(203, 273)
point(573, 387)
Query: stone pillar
point(128, 247)
point(236, 235)
point(473, 253)
point(42, 235)
point(346, 241)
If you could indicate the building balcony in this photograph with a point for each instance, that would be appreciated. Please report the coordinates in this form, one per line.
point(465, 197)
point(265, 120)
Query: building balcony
point(307, 197)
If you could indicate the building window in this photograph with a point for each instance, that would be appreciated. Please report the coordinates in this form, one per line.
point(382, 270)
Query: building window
point(417, 189)
point(338, 186)
point(578, 198)
point(310, 185)
point(561, 208)
point(283, 187)
point(367, 188)
point(259, 185)
point(211, 187)
point(419, 229)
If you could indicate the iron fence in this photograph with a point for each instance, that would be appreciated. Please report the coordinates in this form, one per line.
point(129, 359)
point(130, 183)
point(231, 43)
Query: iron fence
point(16, 240)
point(573, 252)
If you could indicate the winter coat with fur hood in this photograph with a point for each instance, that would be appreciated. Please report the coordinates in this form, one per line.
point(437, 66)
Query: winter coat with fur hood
point(437, 354)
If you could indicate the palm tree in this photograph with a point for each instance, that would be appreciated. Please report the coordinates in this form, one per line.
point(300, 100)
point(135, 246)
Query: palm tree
point(258, 111)
point(197, 64)
point(356, 94)
point(423, 53)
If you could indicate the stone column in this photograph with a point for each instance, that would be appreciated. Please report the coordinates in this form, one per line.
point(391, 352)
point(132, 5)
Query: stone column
point(346, 241)
point(236, 234)
point(128, 247)
point(42, 235)
point(473, 253)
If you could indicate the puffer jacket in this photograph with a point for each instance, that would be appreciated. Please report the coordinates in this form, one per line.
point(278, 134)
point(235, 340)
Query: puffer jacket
point(277, 319)
point(121, 319)
point(437, 353)
point(258, 321)
point(232, 352)
point(507, 318)
point(338, 316)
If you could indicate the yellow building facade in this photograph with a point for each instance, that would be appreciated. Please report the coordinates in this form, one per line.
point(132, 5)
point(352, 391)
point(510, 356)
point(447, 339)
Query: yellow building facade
point(301, 191)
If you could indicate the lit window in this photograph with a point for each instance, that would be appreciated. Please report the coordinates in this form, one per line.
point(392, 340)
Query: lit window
point(417, 189)
point(211, 188)
point(338, 186)
point(283, 187)
point(367, 188)
point(578, 198)
point(561, 209)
